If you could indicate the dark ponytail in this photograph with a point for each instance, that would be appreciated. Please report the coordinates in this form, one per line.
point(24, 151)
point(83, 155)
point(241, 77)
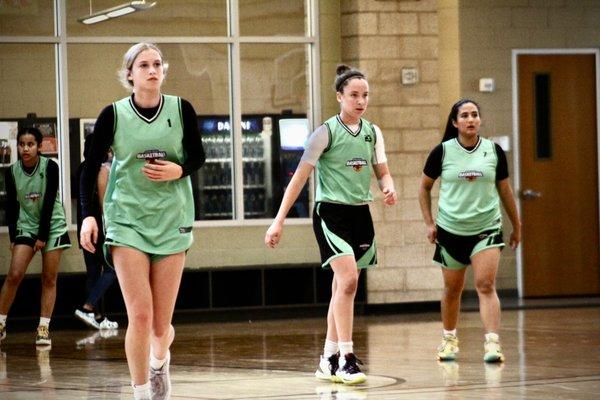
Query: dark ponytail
point(451, 131)
point(344, 74)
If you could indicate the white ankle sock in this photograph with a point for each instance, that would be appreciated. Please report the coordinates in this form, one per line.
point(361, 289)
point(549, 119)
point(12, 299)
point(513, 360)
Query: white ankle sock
point(345, 348)
point(492, 336)
point(155, 363)
point(452, 332)
point(44, 322)
point(330, 348)
point(141, 392)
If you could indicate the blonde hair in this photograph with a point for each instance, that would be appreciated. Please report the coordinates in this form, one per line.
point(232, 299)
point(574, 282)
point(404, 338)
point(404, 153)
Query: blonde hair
point(129, 58)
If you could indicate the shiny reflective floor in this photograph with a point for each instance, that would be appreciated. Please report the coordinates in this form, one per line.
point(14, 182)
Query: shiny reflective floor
point(551, 353)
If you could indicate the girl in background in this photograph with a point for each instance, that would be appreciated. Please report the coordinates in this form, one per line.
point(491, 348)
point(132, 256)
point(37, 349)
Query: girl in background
point(468, 228)
point(36, 221)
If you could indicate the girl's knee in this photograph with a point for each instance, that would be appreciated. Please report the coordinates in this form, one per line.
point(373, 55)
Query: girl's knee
point(348, 284)
point(485, 286)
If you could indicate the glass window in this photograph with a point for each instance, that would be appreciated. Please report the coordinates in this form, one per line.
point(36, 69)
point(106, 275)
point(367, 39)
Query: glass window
point(274, 83)
point(165, 18)
point(273, 17)
point(198, 73)
point(27, 97)
point(274, 88)
point(27, 18)
point(543, 133)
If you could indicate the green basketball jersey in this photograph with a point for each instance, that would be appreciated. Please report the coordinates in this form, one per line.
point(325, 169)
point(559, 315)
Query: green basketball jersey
point(154, 217)
point(31, 189)
point(344, 168)
point(469, 202)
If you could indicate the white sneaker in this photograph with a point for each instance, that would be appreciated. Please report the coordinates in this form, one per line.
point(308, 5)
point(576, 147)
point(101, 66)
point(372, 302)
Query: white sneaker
point(160, 381)
point(327, 368)
point(348, 370)
point(88, 318)
point(43, 336)
point(108, 324)
point(493, 351)
point(448, 349)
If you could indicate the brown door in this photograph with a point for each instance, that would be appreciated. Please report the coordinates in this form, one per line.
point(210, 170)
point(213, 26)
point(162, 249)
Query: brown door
point(559, 174)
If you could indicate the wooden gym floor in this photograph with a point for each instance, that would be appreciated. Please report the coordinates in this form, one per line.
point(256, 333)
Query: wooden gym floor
point(551, 353)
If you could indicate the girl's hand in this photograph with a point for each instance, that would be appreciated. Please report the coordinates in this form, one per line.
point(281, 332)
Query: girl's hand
point(273, 234)
point(89, 234)
point(431, 233)
point(515, 239)
point(162, 170)
point(39, 245)
point(390, 196)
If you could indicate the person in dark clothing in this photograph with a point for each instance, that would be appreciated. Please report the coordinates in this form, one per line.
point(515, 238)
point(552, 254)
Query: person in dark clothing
point(100, 276)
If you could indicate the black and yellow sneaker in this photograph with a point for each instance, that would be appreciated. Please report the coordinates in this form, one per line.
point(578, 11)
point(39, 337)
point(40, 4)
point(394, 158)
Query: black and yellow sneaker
point(328, 367)
point(348, 371)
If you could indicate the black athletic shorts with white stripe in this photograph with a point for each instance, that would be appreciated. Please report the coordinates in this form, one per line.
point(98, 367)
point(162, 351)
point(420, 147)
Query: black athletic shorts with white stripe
point(455, 251)
point(342, 230)
point(54, 241)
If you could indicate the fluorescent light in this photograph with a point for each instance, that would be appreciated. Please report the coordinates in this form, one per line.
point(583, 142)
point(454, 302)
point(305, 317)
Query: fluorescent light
point(115, 12)
point(120, 11)
point(92, 20)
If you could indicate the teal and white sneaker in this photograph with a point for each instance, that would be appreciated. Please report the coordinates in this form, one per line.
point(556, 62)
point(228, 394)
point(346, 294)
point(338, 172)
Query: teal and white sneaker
point(327, 368)
point(493, 350)
point(448, 349)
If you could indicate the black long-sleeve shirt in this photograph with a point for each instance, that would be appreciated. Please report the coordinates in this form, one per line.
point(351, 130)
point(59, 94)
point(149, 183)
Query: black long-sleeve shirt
point(12, 204)
point(104, 134)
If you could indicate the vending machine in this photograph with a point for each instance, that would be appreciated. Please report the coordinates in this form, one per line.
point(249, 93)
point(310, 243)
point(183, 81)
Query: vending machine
point(293, 130)
point(272, 145)
point(215, 179)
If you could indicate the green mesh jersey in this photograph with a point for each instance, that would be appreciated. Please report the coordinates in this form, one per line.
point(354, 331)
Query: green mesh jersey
point(344, 168)
point(469, 202)
point(30, 195)
point(154, 217)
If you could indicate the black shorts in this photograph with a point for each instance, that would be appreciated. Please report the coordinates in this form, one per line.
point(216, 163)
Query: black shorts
point(345, 230)
point(53, 243)
point(455, 251)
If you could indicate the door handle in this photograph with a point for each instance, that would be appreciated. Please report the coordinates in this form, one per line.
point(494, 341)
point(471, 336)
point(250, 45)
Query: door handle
point(528, 194)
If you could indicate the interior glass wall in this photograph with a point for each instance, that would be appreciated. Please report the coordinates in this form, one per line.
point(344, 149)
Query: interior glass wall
point(27, 98)
point(274, 124)
point(273, 17)
point(27, 18)
point(166, 18)
point(273, 93)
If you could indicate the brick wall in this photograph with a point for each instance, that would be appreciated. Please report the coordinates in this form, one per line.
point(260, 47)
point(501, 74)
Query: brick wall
point(381, 38)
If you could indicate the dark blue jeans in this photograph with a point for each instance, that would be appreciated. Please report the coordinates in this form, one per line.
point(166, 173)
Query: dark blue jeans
point(99, 277)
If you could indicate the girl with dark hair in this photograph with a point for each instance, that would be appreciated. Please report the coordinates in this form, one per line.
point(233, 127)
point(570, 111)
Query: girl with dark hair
point(36, 221)
point(345, 150)
point(468, 228)
point(148, 208)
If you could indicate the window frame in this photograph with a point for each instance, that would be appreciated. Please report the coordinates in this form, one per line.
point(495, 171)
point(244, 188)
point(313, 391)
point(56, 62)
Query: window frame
point(233, 40)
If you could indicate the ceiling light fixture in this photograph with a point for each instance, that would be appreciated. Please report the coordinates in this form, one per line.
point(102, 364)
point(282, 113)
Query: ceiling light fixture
point(115, 12)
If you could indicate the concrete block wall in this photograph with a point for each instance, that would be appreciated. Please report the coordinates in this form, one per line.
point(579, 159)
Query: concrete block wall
point(381, 38)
